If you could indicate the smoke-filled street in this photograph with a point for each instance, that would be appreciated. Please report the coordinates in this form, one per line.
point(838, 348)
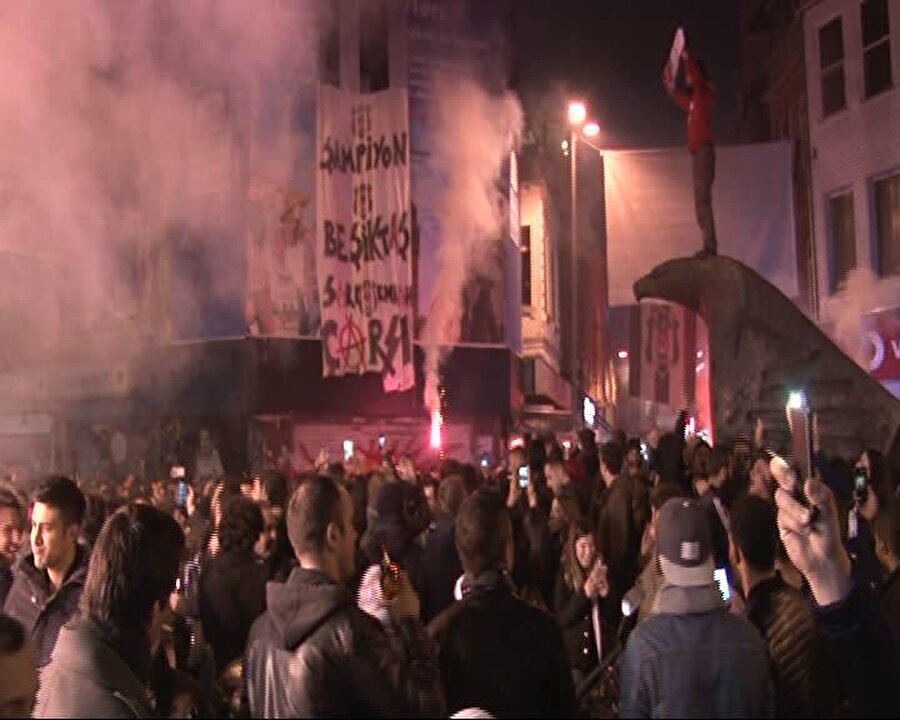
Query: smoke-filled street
point(449, 358)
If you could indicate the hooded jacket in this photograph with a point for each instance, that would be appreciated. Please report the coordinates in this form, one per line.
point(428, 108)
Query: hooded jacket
point(314, 653)
point(41, 609)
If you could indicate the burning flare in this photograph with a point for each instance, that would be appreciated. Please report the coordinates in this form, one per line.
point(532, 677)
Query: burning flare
point(436, 422)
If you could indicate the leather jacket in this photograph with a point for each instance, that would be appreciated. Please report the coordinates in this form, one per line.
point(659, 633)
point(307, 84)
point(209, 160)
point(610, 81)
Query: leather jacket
point(314, 653)
point(800, 669)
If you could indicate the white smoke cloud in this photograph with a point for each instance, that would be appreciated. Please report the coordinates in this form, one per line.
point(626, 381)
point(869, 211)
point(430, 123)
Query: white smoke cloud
point(477, 132)
point(863, 292)
point(122, 123)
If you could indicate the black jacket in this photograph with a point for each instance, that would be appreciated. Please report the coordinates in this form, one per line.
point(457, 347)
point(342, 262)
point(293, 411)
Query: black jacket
point(314, 653)
point(890, 608)
point(619, 531)
point(574, 613)
point(41, 610)
point(94, 673)
point(6, 581)
point(862, 648)
point(232, 596)
point(500, 654)
point(800, 668)
point(441, 569)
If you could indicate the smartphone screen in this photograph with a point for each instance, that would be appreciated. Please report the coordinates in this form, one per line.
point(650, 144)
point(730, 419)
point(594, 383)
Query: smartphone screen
point(348, 450)
point(721, 578)
point(524, 476)
point(181, 500)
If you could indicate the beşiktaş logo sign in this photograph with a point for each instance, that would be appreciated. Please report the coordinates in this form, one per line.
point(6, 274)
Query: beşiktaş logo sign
point(881, 338)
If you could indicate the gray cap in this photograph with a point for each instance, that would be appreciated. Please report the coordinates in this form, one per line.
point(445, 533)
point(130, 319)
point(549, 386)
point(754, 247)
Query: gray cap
point(685, 543)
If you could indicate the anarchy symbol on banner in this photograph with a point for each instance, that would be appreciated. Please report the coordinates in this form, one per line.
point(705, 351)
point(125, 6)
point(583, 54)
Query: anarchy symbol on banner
point(352, 340)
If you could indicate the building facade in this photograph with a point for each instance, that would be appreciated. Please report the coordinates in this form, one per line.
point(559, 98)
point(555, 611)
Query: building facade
point(852, 52)
point(257, 384)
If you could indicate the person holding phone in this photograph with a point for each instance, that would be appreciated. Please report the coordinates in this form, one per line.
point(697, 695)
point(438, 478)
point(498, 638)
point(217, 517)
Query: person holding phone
point(580, 584)
point(693, 658)
point(845, 607)
point(801, 677)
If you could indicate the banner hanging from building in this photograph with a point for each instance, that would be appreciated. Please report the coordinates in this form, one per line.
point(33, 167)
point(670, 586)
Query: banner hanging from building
point(663, 354)
point(364, 227)
point(282, 294)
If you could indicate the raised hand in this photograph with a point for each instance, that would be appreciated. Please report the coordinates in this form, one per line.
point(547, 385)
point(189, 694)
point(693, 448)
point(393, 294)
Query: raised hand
point(814, 546)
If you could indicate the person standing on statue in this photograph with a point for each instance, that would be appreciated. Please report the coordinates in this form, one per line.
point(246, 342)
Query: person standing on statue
point(697, 102)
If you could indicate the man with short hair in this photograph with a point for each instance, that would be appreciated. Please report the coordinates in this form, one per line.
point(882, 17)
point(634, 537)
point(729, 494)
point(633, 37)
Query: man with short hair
point(233, 584)
point(497, 652)
point(18, 675)
point(48, 582)
point(101, 665)
point(622, 514)
point(12, 523)
point(713, 499)
point(314, 653)
point(693, 658)
point(781, 613)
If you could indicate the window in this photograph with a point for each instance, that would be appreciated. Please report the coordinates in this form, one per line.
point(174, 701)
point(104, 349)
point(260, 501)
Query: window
point(887, 225)
point(831, 64)
point(842, 239)
point(374, 68)
point(330, 46)
point(525, 243)
point(876, 40)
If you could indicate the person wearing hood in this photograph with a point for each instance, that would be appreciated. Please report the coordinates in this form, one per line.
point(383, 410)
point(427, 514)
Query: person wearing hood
point(48, 582)
point(314, 653)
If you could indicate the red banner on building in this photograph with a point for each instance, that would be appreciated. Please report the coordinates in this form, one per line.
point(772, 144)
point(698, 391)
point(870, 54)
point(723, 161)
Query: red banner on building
point(882, 339)
point(663, 354)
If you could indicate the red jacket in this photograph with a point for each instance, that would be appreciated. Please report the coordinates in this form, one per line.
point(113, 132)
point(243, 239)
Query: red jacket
point(698, 105)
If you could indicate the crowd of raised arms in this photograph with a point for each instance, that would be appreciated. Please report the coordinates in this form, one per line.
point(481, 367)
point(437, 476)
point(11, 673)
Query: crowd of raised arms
point(639, 577)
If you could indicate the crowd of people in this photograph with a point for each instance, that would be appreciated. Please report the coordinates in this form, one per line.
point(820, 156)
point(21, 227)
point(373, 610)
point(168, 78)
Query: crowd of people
point(656, 577)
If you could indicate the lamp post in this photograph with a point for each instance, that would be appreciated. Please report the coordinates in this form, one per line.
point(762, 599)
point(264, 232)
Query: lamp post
point(577, 113)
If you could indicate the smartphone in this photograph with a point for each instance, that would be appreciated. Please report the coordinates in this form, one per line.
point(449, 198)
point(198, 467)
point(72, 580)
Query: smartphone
point(801, 419)
point(348, 450)
point(177, 472)
point(181, 496)
point(721, 578)
point(382, 441)
point(524, 476)
point(485, 463)
point(860, 485)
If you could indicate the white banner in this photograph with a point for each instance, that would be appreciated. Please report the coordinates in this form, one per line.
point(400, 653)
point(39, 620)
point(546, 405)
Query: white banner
point(365, 272)
point(675, 54)
point(650, 212)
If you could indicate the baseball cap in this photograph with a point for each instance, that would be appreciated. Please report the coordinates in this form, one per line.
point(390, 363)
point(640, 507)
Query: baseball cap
point(685, 543)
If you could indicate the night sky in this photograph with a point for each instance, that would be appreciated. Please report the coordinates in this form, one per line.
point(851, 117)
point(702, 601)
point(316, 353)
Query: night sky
point(611, 53)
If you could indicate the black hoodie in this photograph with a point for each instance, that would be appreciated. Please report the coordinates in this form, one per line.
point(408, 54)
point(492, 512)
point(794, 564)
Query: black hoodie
point(314, 653)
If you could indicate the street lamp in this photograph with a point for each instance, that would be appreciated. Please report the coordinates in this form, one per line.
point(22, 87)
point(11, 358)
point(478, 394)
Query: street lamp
point(578, 124)
point(577, 114)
